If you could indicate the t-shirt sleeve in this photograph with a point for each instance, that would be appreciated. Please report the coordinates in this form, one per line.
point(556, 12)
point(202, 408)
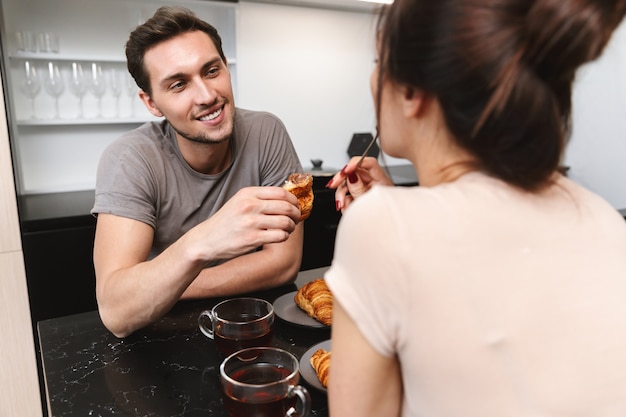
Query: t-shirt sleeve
point(364, 277)
point(125, 184)
point(278, 157)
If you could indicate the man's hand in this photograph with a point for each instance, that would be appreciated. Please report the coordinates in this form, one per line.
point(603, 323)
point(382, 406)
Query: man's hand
point(253, 217)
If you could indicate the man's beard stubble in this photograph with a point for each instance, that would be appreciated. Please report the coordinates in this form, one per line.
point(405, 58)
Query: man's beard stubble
point(206, 139)
point(203, 139)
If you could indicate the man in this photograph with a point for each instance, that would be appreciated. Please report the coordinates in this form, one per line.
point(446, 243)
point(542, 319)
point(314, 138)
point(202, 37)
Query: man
point(190, 207)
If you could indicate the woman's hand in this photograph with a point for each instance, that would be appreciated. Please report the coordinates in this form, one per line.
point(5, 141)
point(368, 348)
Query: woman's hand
point(352, 182)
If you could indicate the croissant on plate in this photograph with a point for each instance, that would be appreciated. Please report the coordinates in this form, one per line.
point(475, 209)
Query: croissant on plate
point(316, 300)
point(320, 361)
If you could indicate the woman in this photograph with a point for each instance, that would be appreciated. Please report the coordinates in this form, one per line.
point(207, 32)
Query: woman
point(496, 287)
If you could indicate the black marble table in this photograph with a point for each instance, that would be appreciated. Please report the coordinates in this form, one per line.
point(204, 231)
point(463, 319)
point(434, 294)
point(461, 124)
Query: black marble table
point(166, 369)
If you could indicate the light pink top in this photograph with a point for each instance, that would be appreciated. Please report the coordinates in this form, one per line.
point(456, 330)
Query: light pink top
point(499, 303)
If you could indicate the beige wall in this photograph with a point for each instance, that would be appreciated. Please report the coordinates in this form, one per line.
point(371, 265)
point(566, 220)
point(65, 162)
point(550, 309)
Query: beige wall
point(19, 384)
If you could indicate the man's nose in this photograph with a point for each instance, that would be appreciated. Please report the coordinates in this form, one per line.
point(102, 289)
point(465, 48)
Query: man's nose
point(204, 92)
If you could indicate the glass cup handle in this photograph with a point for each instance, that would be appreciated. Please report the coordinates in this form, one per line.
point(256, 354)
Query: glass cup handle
point(207, 331)
point(305, 400)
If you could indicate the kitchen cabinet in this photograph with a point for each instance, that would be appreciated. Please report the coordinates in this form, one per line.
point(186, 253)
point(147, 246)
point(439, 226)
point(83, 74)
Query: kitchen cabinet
point(320, 229)
point(58, 151)
point(57, 243)
point(78, 103)
point(59, 270)
point(57, 240)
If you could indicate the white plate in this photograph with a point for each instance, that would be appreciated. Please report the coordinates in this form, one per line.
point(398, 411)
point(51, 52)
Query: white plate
point(307, 371)
point(286, 308)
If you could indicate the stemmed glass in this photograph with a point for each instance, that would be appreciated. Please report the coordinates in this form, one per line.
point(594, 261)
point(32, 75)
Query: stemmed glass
point(78, 85)
point(54, 85)
point(131, 91)
point(30, 85)
point(116, 89)
point(97, 86)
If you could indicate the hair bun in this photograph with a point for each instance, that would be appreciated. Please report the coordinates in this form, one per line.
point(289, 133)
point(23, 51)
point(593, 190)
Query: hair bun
point(502, 71)
point(561, 35)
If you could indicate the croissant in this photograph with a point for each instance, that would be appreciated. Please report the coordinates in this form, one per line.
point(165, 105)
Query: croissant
point(320, 361)
point(301, 185)
point(316, 300)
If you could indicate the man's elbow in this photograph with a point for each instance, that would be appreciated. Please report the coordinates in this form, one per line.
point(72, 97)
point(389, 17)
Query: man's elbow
point(290, 272)
point(119, 328)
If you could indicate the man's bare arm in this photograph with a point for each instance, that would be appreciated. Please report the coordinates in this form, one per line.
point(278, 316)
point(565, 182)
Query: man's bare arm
point(277, 264)
point(133, 291)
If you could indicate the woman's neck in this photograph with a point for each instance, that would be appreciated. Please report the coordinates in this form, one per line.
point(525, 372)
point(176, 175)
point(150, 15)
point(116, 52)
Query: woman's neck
point(436, 155)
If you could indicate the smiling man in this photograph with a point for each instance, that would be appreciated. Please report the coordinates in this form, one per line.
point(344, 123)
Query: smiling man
point(191, 206)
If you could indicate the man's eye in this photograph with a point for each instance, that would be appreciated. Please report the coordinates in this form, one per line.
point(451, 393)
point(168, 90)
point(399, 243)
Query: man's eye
point(177, 85)
point(212, 72)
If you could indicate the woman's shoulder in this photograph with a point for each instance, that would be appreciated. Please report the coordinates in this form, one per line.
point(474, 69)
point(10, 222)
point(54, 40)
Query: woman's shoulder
point(461, 192)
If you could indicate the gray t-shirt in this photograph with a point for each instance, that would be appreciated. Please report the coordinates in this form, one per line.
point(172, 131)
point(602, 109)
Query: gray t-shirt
point(143, 175)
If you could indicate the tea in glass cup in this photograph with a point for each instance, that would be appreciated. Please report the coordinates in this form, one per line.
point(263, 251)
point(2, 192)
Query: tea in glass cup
point(238, 323)
point(263, 382)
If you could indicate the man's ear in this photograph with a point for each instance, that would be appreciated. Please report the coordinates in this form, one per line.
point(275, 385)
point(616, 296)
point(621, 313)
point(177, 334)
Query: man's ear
point(414, 102)
point(147, 101)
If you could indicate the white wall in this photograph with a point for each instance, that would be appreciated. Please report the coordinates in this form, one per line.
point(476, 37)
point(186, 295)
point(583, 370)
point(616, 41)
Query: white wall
point(597, 150)
point(311, 68)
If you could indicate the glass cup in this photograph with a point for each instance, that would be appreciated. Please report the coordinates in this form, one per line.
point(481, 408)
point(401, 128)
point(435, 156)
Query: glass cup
point(238, 323)
point(263, 382)
point(48, 42)
point(26, 41)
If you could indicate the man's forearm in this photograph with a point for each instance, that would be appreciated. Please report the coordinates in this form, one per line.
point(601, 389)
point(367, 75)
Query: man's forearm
point(277, 264)
point(130, 297)
point(133, 297)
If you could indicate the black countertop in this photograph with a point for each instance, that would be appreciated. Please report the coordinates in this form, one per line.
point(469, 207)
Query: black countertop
point(37, 209)
point(166, 369)
point(45, 211)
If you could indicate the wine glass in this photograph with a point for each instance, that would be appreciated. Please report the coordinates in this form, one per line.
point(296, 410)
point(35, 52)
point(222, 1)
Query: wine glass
point(30, 85)
point(54, 85)
point(97, 86)
point(78, 85)
point(116, 89)
point(131, 91)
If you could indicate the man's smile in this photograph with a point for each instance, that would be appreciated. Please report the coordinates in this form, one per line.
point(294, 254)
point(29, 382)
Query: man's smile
point(211, 116)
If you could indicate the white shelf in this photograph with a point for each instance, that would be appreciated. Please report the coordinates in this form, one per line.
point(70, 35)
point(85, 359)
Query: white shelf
point(61, 57)
point(84, 122)
point(40, 56)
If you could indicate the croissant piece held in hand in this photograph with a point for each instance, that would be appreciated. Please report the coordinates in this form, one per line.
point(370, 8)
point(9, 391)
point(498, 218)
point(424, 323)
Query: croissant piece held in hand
point(301, 185)
point(316, 300)
point(320, 361)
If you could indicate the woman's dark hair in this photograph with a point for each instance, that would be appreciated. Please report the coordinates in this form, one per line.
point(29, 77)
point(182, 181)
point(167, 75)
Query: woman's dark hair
point(502, 71)
point(166, 23)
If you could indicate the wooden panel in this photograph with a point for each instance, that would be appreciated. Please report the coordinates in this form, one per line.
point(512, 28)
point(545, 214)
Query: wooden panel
point(10, 236)
point(19, 383)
